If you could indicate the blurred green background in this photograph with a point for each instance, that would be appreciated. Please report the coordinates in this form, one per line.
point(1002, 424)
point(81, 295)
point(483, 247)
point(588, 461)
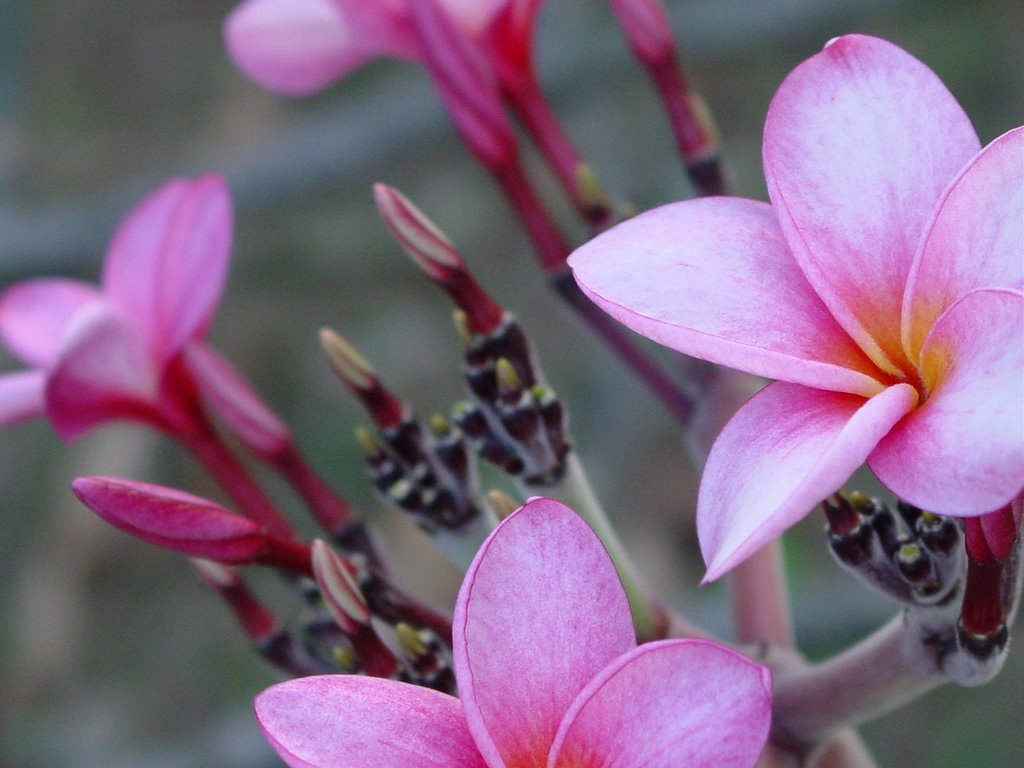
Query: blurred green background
point(111, 653)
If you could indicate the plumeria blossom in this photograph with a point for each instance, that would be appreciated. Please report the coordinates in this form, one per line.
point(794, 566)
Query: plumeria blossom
point(549, 674)
point(298, 47)
point(881, 288)
point(110, 351)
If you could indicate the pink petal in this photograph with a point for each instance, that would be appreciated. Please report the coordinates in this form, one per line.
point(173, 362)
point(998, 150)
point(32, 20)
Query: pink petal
point(714, 278)
point(962, 451)
point(233, 400)
point(541, 611)
point(364, 722)
point(172, 519)
point(21, 396)
point(671, 703)
point(859, 144)
point(104, 372)
point(34, 316)
point(294, 47)
point(168, 261)
point(976, 239)
point(783, 452)
point(475, 15)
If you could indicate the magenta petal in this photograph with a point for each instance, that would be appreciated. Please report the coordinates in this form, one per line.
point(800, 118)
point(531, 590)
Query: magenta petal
point(541, 611)
point(168, 261)
point(976, 239)
point(336, 721)
point(859, 144)
point(962, 451)
point(714, 278)
point(671, 703)
point(104, 372)
point(783, 452)
point(21, 396)
point(172, 519)
point(293, 47)
point(34, 316)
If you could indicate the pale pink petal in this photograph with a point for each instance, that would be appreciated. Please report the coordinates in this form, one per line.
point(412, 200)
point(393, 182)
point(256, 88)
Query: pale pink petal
point(962, 451)
point(293, 47)
point(104, 372)
point(541, 611)
point(21, 396)
point(975, 241)
point(168, 261)
point(232, 398)
point(783, 452)
point(714, 278)
point(344, 721)
point(667, 704)
point(859, 143)
point(34, 316)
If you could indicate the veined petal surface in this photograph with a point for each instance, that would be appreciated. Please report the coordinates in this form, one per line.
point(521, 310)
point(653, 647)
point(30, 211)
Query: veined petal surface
point(976, 239)
point(541, 611)
point(784, 451)
point(21, 396)
point(34, 316)
point(344, 721)
point(962, 451)
point(168, 261)
point(667, 704)
point(860, 142)
point(104, 371)
point(714, 278)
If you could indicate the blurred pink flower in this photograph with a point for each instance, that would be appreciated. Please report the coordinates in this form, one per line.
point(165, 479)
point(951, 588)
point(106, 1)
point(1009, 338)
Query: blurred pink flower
point(881, 287)
point(110, 352)
point(298, 47)
point(549, 673)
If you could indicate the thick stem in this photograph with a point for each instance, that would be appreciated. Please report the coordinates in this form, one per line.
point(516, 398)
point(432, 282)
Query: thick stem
point(892, 667)
point(761, 600)
point(551, 247)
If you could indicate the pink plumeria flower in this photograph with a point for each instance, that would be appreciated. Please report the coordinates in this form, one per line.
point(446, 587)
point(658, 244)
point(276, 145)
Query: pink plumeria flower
point(549, 674)
point(298, 47)
point(881, 287)
point(110, 352)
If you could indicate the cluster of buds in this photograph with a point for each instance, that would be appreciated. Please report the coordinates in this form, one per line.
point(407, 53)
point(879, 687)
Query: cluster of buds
point(913, 556)
point(512, 418)
point(962, 578)
point(426, 471)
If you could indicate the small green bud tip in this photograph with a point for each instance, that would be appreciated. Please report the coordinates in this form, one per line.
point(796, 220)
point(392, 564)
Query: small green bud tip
point(440, 426)
point(502, 504)
point(410, 641)
point(591, 192)
point(909, 552)
point(508, 379)
point(368, 443)
point(462, 330)
point(859, 501)
point(345, 657)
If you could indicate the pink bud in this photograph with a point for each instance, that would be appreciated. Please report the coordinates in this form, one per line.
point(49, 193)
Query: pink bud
point(434, 253)
point(188, 524)
point(339, 589)
point(173, 519)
